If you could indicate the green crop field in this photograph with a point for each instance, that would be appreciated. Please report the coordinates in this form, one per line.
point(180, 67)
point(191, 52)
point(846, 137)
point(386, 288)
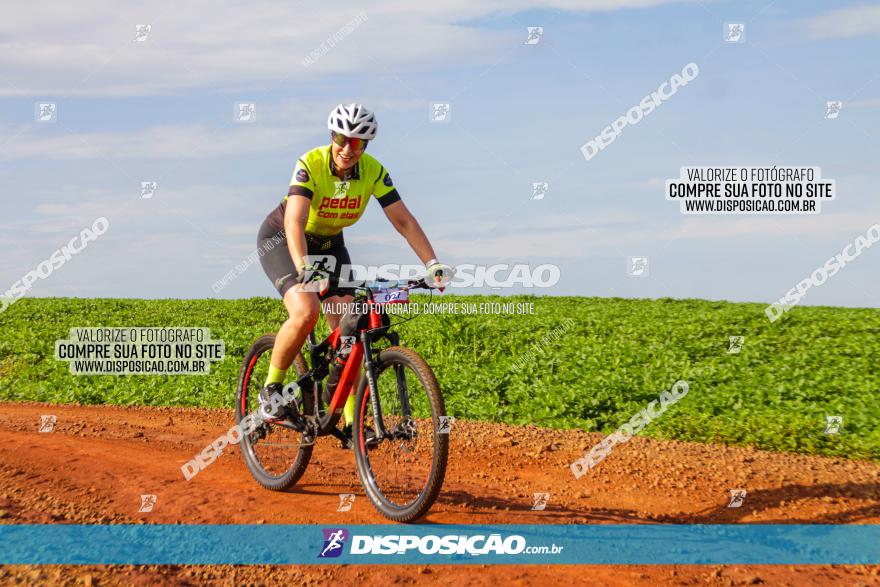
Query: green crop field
point(588, 363)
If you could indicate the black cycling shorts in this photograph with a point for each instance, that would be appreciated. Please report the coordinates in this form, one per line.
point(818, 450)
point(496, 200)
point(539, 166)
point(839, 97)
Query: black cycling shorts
point(279, 267)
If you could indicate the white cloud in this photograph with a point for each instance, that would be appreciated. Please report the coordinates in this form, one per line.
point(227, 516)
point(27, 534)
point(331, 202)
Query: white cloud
point(88, 48)
point(164, 141)
point(866, 103)
point(278, 125)
point(190, 221)
point(852, 21)
point(653, 183)
point(818, 226)
point(564, 237)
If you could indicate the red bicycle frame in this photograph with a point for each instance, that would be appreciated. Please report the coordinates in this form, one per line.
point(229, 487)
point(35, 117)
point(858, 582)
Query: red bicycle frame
point(353, 363)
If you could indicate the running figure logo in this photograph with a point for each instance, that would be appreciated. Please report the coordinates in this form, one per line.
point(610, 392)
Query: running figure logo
point(47, 112)
point(833, 424)
point(734, 32)
point(317, 278)
point(334, 539)
point(445, 425)
point(346, 500)
point(245, 112)
point(540, 501)
point(47, 423)
point(637, 267)
point(539, 189)
point(535, 34)
point(148, 502)
point(440, 112)
point(346, 344)
point(737, 497)
point(141, 32)
point(341, 189)
point(832, 109)
point(736, 344)
point(148, 188)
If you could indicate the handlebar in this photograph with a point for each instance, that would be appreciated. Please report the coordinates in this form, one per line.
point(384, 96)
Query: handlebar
point(407, 284)
point(401, 284)
point(361, 287)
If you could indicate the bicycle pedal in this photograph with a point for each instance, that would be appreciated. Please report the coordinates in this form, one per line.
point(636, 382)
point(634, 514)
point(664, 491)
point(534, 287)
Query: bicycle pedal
point(310, 436)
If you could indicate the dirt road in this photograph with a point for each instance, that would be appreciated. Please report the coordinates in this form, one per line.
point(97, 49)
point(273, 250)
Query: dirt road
point(97, 462)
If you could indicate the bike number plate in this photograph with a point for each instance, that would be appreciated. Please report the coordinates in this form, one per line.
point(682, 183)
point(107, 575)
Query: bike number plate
point(391, 296)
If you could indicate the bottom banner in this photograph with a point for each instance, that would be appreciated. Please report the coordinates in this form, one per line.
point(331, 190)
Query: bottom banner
point(439, 544)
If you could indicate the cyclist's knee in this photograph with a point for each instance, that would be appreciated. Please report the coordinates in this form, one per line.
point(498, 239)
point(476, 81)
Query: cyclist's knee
point(310, 318)
point(302, 314)
point(298, 302)
point(334, 309)
point(305, 318)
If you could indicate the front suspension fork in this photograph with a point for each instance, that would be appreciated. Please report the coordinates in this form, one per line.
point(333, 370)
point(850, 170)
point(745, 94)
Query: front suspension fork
point(400, 376)
point(370, 373)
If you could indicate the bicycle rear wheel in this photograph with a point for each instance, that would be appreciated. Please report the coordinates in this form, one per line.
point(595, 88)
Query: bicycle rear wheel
point(276, 456)
point(403, 474)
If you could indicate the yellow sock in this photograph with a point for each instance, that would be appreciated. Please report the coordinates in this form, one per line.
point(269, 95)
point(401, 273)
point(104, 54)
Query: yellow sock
point(276, 375)
point(348, 410)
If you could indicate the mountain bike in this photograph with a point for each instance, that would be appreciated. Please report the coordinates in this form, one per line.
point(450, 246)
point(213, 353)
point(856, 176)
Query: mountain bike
point(400, 432)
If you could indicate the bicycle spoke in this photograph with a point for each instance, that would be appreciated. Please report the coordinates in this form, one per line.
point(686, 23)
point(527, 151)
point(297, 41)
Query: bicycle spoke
point(276, 456)
point(401, 466)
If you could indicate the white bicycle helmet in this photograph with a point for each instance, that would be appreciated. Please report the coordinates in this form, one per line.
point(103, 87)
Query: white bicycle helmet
point(353, 120)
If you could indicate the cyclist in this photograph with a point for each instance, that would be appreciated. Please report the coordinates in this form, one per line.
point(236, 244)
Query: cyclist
point(330, 189)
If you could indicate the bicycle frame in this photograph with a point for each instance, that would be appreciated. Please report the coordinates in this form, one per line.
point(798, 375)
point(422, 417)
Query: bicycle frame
point(361, 352)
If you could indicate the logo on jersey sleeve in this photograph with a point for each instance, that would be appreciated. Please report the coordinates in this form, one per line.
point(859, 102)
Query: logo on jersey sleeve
point(387, 180)
point(302, 175)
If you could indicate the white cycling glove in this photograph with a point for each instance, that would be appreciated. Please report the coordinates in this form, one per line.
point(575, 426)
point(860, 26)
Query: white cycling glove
point(438, 275)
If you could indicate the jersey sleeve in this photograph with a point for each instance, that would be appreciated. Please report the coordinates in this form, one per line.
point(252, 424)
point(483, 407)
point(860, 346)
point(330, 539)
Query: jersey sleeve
point(302, 183)
point(384, 189)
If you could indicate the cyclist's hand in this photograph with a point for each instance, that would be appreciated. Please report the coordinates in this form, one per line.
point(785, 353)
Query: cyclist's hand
point(439, 275)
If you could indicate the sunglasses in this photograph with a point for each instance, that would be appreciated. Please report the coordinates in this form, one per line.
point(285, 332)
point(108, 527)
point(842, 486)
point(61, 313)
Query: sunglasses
point(342, 140)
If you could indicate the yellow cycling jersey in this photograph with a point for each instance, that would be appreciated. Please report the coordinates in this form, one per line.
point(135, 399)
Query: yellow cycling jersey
point(335, 203)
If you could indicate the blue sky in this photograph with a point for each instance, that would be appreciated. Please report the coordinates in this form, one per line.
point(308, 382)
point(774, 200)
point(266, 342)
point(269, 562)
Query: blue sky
point(161, 110)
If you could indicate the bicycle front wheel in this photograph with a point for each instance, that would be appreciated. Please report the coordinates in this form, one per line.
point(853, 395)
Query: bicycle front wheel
point(402, 473)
